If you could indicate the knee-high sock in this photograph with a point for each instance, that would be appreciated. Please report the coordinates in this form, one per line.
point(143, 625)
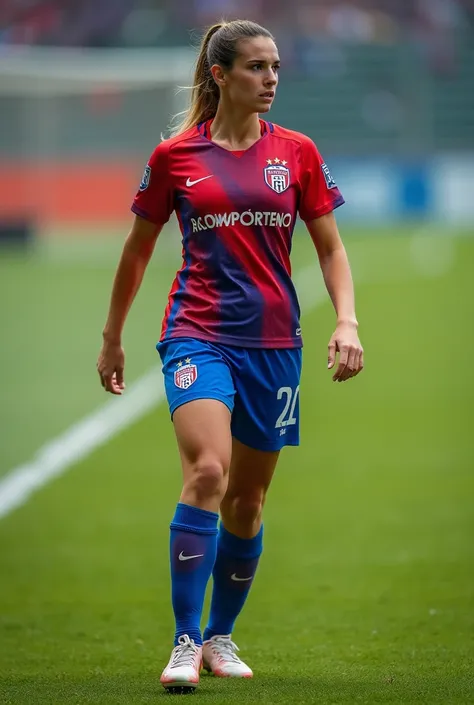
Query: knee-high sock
point(193, 543)
point(233, 573)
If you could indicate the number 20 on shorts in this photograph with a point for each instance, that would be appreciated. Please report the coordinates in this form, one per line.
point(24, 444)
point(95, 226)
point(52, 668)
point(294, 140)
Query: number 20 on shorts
point(287, 416)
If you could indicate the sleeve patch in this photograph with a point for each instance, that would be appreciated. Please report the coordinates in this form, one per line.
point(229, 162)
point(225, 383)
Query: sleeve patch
point(145, 182)
point(330, 183)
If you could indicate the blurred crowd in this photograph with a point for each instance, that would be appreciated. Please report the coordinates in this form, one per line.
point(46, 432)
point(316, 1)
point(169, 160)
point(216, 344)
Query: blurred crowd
point(162, 22)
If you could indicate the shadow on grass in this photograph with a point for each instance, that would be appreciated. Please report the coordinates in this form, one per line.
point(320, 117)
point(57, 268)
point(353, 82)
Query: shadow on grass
point(134, 689)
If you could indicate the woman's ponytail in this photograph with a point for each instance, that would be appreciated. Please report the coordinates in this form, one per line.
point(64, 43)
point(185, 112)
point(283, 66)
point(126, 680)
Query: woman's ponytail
point(205, 91)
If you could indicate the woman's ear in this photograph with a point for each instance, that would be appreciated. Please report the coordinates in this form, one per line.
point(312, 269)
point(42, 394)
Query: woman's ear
point(218, 75)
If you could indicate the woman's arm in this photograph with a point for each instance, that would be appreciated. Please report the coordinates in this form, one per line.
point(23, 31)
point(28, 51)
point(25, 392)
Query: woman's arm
point(136, 254)
point(338, 279)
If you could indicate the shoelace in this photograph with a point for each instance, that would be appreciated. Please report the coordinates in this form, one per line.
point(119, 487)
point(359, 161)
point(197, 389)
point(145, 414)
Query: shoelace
point(225, 647)
point(183, 654)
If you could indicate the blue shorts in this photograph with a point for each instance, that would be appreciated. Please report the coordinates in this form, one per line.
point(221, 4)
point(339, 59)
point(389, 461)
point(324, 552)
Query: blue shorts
point(259, 386)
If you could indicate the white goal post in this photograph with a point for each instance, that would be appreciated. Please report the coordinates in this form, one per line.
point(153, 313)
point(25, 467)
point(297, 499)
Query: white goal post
point(57, 102)
point(54, 70)
point(75, 122)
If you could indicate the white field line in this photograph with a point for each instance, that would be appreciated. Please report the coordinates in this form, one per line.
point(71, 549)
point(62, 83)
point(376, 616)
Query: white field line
point(81, 439)
point(57, 456)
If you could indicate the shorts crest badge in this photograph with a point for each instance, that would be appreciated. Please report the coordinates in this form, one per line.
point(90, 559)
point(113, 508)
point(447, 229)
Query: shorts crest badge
point(277, 175)
point(186, 374)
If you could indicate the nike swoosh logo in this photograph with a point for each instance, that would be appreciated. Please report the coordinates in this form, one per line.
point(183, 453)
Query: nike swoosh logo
point(190, 183)
point(239, 580)
point(182, 557)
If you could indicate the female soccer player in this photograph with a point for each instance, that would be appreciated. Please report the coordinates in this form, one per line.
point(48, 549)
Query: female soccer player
point(231, 338)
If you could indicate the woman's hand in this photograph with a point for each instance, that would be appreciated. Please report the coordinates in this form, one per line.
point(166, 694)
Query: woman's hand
point(346, 342)
point(110, 366)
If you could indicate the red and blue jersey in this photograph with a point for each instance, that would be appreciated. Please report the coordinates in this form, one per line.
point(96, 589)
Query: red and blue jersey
point(237, 212)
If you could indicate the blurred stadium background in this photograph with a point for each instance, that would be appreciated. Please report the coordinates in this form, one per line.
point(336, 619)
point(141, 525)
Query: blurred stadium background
point(373, 516)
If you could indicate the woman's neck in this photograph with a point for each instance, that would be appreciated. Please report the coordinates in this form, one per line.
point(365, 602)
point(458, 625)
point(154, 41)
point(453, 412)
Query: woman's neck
point(233, 131)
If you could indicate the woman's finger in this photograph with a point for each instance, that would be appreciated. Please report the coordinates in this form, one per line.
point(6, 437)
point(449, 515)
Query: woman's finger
point(357, 367)
point(331, 354)
point(119, 378)
point(351, 364)
point(355, 363)
point(99, 372)
point(108, 383)
point(102, 377)
point(344, 351)
point(360, 362)
point(115, 387)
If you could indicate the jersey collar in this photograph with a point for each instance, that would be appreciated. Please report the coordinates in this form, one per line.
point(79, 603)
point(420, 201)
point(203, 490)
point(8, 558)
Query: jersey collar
point(204, 128)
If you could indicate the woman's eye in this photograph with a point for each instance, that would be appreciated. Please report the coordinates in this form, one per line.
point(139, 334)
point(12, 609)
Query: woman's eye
point(258, 67)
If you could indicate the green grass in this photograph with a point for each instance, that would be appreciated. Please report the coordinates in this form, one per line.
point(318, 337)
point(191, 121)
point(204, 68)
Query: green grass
point(365, 593)
point(51, 335)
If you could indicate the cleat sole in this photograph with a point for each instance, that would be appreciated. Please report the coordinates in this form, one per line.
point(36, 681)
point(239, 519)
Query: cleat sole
point(180, 688)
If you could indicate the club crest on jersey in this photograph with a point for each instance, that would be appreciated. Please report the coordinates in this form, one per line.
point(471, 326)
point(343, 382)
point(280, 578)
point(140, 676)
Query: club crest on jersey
point(186, 374)
point(277, 175)
point(144, 183)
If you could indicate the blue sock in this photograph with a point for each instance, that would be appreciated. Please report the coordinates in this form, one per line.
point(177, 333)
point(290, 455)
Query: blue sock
point(193, 544)
point(233, 573)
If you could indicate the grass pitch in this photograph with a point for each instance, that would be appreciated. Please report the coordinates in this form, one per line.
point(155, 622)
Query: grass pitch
point(365, 591)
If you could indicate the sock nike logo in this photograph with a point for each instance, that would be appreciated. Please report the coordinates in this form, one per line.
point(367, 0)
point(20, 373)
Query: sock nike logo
point(182, 557)
point(239, 580)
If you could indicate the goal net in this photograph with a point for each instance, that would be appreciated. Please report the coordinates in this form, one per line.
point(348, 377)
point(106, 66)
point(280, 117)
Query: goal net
point(77, 126)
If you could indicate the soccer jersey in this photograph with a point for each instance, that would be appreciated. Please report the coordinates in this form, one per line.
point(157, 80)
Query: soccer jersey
point(237, 212)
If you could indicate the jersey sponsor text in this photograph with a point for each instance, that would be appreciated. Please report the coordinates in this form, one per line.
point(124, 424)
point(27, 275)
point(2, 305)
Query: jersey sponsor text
point(246, 218)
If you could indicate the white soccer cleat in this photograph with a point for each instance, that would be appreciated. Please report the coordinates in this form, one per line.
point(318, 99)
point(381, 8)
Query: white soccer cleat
point(219, 655)
point(182, 672)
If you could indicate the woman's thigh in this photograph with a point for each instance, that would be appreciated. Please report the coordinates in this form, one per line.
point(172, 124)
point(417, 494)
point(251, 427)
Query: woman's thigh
point(200, 392)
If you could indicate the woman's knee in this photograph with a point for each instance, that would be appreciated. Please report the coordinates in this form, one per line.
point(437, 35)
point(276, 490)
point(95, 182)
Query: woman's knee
point(206, 478)
point(244, 508)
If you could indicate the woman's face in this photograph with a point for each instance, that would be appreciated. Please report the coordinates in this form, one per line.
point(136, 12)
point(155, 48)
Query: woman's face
point(251, 83)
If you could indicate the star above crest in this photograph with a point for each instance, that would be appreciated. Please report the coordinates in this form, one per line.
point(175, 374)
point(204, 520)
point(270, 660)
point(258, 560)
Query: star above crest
point(277, 161)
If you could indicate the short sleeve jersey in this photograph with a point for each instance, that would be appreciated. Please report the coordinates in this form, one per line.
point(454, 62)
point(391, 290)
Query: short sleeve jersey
point(236, 212)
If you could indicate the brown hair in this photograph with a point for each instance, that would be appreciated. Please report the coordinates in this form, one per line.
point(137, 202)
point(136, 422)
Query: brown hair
point(218, 46)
